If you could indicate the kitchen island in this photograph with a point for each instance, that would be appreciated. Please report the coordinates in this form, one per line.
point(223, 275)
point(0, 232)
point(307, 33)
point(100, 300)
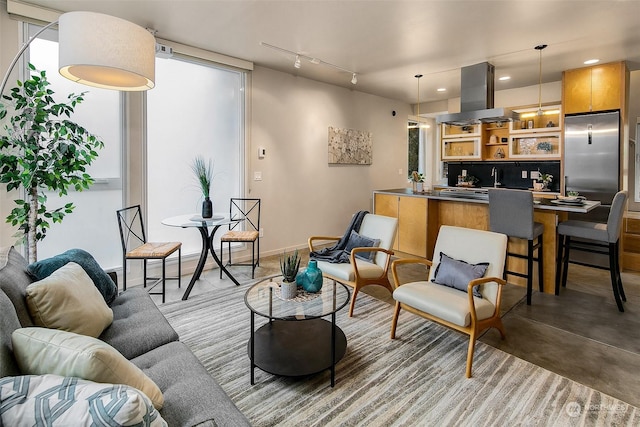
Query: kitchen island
point(420, 216)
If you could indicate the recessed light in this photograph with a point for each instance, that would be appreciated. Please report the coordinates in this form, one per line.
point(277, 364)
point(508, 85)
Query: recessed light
point(591, 61)
point(441, 89)
point(503, 78)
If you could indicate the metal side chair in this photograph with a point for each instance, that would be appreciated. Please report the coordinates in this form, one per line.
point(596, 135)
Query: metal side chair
point(135, 246)
point(511, 213)
point(245, 230)
point(603, 238)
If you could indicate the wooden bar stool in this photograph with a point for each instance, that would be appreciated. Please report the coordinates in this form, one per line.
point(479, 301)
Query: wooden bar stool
point(511, 213)
point(603, 238)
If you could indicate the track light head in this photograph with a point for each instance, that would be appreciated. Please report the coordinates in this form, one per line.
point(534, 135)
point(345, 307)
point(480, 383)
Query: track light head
point(297, 64)
point(354, 79)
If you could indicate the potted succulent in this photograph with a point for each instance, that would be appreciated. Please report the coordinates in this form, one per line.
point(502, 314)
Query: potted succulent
point(203, 171)
point(289, 266)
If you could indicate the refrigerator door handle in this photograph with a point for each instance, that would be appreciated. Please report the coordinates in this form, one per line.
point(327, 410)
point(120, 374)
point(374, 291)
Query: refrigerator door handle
point(590, 134)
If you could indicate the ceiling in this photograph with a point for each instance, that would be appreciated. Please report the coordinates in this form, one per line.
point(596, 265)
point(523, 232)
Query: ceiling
point(388, 42)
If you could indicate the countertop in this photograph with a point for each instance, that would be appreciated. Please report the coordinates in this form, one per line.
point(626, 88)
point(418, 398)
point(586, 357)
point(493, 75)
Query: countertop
point(539, 203)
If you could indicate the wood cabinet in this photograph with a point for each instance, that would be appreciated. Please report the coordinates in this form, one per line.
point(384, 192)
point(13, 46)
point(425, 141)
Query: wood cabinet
point(495, 141)
point(538, 134)
point(460, 142)
point(630, 251)
point(596, 88)
point(411, 236)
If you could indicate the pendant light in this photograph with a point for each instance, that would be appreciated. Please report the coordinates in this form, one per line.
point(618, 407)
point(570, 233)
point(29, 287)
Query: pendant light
point(539, 48)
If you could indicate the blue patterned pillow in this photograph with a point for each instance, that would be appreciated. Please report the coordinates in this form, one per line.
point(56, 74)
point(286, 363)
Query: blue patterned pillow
point(41, 269)
point(457, 274)
point(55, 400)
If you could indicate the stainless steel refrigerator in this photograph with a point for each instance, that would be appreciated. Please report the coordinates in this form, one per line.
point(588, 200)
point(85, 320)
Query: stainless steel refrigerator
point(592, 159)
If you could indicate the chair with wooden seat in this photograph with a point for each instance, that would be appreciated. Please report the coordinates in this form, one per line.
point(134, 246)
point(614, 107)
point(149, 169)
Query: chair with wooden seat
point(511, 213)
point(602, 238)
point(245, 230)
point(135, 246)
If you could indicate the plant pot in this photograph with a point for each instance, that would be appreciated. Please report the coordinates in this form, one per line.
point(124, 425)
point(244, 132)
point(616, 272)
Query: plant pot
point(207, 208)
point(311, 278)
point(288, 290)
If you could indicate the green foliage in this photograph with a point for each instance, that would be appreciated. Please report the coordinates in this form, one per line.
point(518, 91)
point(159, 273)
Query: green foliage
point(204, 174)
point(42, 150)
point(289, 265)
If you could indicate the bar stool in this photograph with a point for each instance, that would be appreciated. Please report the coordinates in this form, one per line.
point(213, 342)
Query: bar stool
point(603, 239)
point(511, 213)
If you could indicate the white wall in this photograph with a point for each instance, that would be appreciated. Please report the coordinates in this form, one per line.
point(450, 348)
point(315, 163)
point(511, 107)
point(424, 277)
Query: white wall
point(302, 194)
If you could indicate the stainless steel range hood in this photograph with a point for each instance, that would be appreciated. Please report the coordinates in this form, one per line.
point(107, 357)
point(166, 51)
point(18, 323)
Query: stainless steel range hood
point(476, 99)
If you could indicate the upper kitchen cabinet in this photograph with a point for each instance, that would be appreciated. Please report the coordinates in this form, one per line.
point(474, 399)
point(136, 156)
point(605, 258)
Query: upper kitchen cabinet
point(596, 88)
point(537, 135)
point(460, 142)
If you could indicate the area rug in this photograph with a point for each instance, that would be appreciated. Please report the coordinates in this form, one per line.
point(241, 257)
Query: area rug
point(415, 380)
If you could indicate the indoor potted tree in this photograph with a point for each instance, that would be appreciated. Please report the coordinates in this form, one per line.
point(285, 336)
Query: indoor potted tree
point(289, 266)
point(42, 150)
point(203, 171)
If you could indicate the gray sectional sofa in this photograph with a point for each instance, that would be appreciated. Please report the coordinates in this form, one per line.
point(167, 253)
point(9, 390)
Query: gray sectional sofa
point(139, 332)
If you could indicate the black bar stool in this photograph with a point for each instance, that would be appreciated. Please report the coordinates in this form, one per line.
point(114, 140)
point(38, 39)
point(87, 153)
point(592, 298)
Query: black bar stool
point(511, 213)
point(604, 238)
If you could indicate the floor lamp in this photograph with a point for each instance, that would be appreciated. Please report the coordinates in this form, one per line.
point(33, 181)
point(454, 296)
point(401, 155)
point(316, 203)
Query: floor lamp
point(101, 51)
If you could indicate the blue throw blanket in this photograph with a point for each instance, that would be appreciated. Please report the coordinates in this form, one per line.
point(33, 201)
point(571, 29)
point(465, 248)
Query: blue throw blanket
point(337, 254)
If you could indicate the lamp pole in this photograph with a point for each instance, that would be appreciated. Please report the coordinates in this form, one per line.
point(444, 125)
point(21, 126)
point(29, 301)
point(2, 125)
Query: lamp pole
point(20, 52)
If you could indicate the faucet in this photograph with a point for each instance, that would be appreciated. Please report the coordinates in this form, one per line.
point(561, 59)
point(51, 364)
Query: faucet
point(494, 173)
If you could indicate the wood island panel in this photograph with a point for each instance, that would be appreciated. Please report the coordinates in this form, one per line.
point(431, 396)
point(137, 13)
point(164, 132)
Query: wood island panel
point(412, 226)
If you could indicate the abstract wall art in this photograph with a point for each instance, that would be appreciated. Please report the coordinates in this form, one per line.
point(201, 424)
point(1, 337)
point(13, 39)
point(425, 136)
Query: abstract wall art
point(349, 146)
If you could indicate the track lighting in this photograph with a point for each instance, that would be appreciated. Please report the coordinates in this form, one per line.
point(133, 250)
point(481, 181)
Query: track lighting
point(313, 60)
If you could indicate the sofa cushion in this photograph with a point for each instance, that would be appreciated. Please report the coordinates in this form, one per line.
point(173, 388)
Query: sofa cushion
point(446, 303)
point(457, 274)
point(41, 269)
point(345, 272)
point(68, 300)
point(14, 281)
point(8, 323)
point(191, 395)
point(138, 326)
point(56, 400)
point(50, 351)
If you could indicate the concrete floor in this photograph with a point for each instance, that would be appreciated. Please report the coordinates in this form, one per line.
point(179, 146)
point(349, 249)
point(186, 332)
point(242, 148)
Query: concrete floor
point(579, 334)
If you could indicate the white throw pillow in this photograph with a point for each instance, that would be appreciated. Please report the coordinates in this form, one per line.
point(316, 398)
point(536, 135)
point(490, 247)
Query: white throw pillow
point(32, 400)
point(68, 300)
point(49, 351)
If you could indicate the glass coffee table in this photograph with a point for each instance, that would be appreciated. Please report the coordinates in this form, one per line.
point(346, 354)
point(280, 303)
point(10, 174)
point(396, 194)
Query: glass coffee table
point(296, 340)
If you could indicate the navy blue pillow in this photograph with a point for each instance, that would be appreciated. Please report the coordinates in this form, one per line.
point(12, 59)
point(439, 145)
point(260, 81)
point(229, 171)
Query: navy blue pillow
point(357, 240)
point(41, 269)
point(457, 273)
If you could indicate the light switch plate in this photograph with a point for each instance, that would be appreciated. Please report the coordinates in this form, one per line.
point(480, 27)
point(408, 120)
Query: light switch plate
point(257, 176)
point(524, 174)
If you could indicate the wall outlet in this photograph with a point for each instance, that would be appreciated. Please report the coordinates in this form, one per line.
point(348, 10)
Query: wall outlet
point(464, 172)
point(261, 232)
point(524, 174)
point(257, 176)
point(534, 175)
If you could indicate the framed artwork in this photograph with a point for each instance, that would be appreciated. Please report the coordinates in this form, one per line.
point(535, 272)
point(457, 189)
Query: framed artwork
point(349, 146)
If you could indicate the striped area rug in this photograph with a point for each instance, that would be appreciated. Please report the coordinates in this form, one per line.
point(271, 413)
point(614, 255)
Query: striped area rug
point(415, 380)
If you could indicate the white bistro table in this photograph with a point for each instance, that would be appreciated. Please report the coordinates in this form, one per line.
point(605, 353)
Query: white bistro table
point(202, 224)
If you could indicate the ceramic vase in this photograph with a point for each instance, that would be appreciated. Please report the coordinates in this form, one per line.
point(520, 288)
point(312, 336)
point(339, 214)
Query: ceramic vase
point(207, 208)
point(288, 290)
point(311, 278)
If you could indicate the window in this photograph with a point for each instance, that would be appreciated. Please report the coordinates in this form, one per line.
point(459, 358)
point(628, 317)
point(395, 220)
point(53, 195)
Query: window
point(92, 226)
point(196, 108)
point(420, 131)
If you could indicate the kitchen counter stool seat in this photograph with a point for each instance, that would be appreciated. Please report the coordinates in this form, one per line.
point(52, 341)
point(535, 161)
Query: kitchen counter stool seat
point(511, 213)
point(602, 238)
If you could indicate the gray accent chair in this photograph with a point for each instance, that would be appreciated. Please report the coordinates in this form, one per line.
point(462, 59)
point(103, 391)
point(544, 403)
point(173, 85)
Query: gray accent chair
point(603, 238)
point(511, 213)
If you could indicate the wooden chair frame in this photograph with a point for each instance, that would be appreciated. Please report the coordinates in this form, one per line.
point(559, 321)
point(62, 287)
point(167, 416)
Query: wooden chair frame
point(359, 282)
point(475, 327)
